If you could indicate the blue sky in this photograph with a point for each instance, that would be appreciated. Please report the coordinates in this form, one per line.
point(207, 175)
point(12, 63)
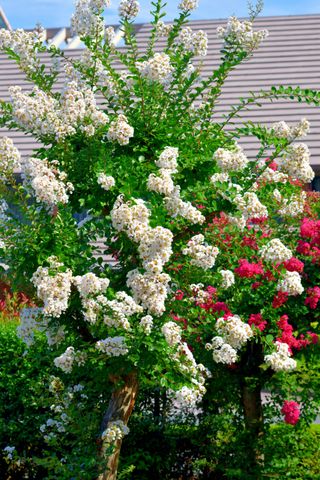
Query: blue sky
point(56, 13)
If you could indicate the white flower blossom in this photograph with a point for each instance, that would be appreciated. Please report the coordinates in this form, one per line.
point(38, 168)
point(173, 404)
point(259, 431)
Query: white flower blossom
point(227, 278)
point(241, 34)
point(67, 359)
point(113, 346)
point(47, 184)
point(120, 131)
point(172, 333)
point(168, 159)
point(9, 158)
point(129, 9)
point(280, 360)
point(250, 206)
point(53, 290)
point(106, 182)
point(275, 252)
point(157, 69)
point(234, 331)
point(291, 284)
point(282, 130)
point(146, 323)
point(229, 161)
point(188, 5)
point(296, 163)
point(203, 255)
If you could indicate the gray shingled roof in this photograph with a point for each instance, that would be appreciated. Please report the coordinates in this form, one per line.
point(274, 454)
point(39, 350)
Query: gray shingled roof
point(289, 56)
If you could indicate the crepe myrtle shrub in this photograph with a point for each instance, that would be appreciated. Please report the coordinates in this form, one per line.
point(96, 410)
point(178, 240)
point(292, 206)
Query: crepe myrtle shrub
point(134, 155)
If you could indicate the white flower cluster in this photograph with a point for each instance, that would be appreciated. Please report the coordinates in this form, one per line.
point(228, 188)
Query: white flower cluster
point(234, 331)
point(291, 284)
point(129, 9)
point(53, 290)
point(167, 162)
point(163, 29)
point(250, 206)
point(45, 115)
point(9, 158)
point(162, 184)
point(86, 20)
point(203, 255)
point(146, 324)
point(188, 5)
point(282, 130)
point(89, 286)
point(280, 360)
point(8, 451)
point(79, 107)
point(168, 159)
point(275, 252)
point(227, 278)
point(172, 333)
point(24, 44)
point(121, 308)
point(115, 431)
point(229, 160)
point(120, 131)
point(113, 346)
point(150, 289)
point(239, 222)
point(222, 352)
point(233, 335)
point(106, 182)
point(197, 42)
point(272, 176)
point(183, 405)
point(70, 357)
point(157, 69)
point(48, 186)
point(294, 206)
point(296, 162)
point(241, 34)
point(176, 206)
point(29, 322)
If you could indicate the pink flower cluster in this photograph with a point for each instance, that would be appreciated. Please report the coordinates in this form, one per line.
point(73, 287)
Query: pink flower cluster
point(257, 320)
point(247, 269)
point(291, 412)
point(310, 229)
point(294, 265)
point(313, 297)
point(288, 337)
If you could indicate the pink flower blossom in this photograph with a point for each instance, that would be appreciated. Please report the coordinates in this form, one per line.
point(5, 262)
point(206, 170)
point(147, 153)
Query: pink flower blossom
point(257, 320)
point(313, 297)
point(291, 412)
point(279, 299)
point(248, 270)
point(294, 265)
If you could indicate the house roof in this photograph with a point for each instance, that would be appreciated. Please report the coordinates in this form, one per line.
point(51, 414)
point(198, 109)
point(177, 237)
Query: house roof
point(289, 56)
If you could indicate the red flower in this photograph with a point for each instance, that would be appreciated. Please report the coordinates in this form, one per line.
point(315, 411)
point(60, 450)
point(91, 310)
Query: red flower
point(280, 299)
point(303, 247)
point(257, 320)
point(248, 270)
point(179, 295)
point(313, 297)
point(250, 242)
point(294, 265)
point(291, 412)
